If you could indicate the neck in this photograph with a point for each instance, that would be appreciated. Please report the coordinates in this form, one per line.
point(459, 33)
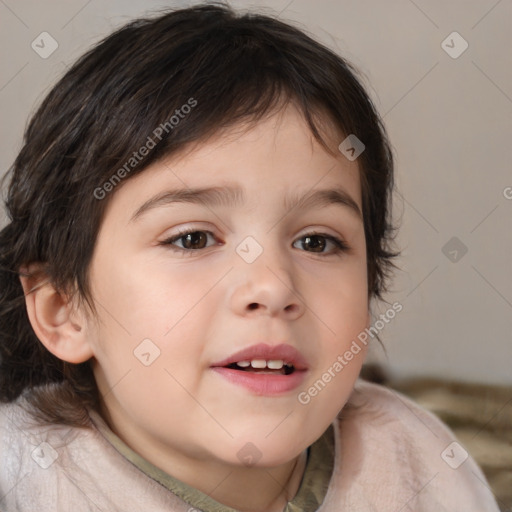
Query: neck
point(261, 489)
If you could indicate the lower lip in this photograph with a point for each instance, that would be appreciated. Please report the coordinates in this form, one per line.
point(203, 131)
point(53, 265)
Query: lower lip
point(263, 383)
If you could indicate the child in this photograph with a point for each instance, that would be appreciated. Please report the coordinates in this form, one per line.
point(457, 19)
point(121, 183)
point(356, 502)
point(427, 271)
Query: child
point(199, 220)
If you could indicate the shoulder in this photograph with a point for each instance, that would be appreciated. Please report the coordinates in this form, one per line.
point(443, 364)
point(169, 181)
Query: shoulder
point(29, 451)
point(51, 466)
point(397, 454)
point(384, 405)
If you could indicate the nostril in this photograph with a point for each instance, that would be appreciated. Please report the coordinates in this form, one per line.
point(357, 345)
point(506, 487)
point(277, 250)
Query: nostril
point(253, 305)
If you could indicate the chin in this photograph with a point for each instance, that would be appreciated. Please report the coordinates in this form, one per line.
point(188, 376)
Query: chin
point(264, 452)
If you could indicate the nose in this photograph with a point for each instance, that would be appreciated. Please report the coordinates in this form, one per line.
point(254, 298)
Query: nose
point(267, 287)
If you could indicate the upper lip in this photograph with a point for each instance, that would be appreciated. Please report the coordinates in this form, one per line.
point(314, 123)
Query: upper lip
point(283, 352)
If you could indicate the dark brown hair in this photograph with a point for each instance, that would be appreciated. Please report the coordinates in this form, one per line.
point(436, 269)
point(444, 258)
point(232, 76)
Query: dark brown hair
point(232, 68)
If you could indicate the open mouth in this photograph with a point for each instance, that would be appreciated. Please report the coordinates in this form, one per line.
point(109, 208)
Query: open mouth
point(271, 367)
point(264, 370)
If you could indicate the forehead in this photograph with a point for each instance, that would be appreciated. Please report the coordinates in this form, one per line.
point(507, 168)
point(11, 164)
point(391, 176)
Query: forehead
point(284, 127)
point(275, 156)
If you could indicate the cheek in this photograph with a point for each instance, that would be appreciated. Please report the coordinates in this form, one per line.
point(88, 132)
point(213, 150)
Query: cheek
point(339, 300)
point(141, 300)
point(338, 297)
point(150, 342)
point(144, 297)
point(342, 354)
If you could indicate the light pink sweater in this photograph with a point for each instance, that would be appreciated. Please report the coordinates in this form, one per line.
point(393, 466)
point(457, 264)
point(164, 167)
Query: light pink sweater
point(390, 456)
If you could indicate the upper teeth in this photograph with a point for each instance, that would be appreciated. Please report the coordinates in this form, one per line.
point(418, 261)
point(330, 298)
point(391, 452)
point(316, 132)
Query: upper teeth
point(273, 364)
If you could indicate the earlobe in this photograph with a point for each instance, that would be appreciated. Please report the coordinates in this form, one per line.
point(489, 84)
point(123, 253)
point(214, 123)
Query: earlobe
point(60, 328)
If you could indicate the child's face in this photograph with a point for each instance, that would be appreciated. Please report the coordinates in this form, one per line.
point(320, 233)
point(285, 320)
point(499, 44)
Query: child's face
point(203, 304)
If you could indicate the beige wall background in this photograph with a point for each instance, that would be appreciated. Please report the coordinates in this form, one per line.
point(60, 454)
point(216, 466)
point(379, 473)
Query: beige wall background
point(448, 110)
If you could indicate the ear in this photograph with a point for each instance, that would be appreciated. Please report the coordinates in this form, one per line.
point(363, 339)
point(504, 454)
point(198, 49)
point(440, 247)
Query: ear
point(59, 327)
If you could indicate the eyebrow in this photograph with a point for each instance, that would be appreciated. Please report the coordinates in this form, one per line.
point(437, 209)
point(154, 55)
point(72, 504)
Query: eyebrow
point(322, 198)
point(211, 196)
point(232, 196)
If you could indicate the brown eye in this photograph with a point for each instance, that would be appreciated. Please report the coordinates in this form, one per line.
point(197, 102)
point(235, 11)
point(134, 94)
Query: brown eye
point(315, 243)
point(319, 243)
point(195, 240)
point(192, 240)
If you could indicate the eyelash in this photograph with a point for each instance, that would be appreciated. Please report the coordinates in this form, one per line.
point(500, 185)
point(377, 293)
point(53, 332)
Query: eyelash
point(340, 245)
point(169, 242)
